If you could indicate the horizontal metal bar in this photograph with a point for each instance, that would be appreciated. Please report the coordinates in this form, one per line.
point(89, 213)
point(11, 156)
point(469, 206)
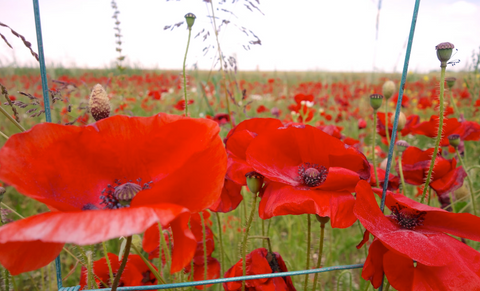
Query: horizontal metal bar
point(225, 280)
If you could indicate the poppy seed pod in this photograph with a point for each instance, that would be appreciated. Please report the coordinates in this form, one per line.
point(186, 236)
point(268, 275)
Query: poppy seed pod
point(402, 120)
point(450, 82)
point(454, 140)
point(444, 52)
point(254, 181)
point(190, 18)
point(322, 219)
point(388, 89)
point(376, 101)
point(99, 103)
point(402, 145)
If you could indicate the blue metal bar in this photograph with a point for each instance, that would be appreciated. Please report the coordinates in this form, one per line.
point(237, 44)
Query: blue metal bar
point(225, 280)
point(397, 109)
point(58, 268)
point(399, 102)
point(41, 59)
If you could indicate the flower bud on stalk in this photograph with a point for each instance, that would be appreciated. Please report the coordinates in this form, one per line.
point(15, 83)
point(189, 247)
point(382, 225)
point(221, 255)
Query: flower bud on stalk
point(376, 101)
point(254, 182)
point(402, 120)
point(450, 82)
point(444, 53)
point(99, 103)
point(454, 140)
point(401, 145)
point(388, 89)
point(190, 18)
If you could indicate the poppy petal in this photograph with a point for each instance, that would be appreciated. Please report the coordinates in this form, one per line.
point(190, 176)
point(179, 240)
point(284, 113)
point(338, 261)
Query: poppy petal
point(373, 266)
point(280, 199)
point(229, 199)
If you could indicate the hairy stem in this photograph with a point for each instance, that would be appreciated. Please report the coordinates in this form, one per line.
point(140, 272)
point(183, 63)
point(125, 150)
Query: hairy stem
point(184, 75)
point(320, 252)
point(123, 264)
point(374, 162)
point(245, 237)
point(309, 238)
point(386, 123)
point(439, 135)
point(105, 253)
point(205, 262)
point(402, 179)
point(470, 184)
point(222, 259)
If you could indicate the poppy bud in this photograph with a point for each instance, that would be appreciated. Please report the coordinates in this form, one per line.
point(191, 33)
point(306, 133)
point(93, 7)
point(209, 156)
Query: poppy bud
point(444, 52)
point(450, 82)
point(402, 145)
point(376, 101)
point(322, 219)
point(190, 17)
point(402, 120)
point(254, 181)
point(99, 103)
point(454, 140)
point(388, 89)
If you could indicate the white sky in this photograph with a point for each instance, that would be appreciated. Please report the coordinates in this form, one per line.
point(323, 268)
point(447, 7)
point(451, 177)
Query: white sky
point(334, 35)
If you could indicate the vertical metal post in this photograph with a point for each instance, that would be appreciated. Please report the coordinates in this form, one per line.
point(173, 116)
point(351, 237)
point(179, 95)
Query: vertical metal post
point(41, 59)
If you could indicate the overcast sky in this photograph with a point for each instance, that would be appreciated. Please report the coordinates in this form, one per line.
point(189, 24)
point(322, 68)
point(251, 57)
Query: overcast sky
point(334, 35)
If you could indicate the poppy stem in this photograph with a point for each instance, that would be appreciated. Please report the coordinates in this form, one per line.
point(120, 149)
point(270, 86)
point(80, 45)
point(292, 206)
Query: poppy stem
point(374, 162)
point(164, 247)
point(386, 122)
point(220, 56)
point(263, 232)
point(470, 184)
point(402, 179)
point(452, 99)
point(149, 265)
point(6, 275)
point(205, 261)
point(105, 253)
point(245, 237)
point(222, 258)
point(4, 135)
point(124, 263)
point(11, 118)
point(429, 195)
point(439, 135)
point(309, 238)
point(320, 253)
point(184, 75)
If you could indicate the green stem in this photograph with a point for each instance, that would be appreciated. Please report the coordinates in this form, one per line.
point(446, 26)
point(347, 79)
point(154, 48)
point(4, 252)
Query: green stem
point(320, 253)
point(473, 167)
point(150, 267)
point(205, 262)
point(402, 179)
point(7, 284)
point(11, 118)
point(184, 75)
point(123, 264)
point(387, 287)
point(245, 237)
point(439, 134)
point(90, 276)
point(220, 55)
point(263, 232)
point(309, 238)
point(4, 135)
point(374, 162)
point(222, 258)
point(14, 283)
point(42, 279)
point(105, 253)
point(165, 248)
point(429, 194)
point(457, 113)
point(470, 184)
point(386, 123)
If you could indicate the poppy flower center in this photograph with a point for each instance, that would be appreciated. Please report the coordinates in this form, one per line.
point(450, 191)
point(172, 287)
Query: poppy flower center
point(312, 175)
point(407, 218)
point(120, 195)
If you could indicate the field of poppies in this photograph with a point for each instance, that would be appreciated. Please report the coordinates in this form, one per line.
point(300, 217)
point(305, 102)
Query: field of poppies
point(135, 183)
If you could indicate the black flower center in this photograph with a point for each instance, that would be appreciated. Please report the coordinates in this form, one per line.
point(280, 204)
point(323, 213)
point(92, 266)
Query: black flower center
point(407, 218)
point(312, 175)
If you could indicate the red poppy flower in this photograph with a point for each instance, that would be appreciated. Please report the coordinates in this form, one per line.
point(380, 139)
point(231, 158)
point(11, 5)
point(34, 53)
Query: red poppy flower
point(393, 181)
point(220, 118)
point(446, 177)
point(308, 171)
point(362, 123)
point(237, 142)
point(412, 120)
point(83, 172)
point(405, 99)
point(467, 130)
point(181, 104)
point(229, 199)
point(260, 261)
point(411, 246)
point(261, 109)
point(136, 272)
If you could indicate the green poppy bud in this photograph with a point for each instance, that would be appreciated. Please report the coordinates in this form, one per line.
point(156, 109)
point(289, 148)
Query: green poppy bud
point(190, 17)
point(444, 52)
point(388, 89)
point(254, 181)
point(401, 145)
point(450, 82)
point(376, 101)
point(454, 140)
